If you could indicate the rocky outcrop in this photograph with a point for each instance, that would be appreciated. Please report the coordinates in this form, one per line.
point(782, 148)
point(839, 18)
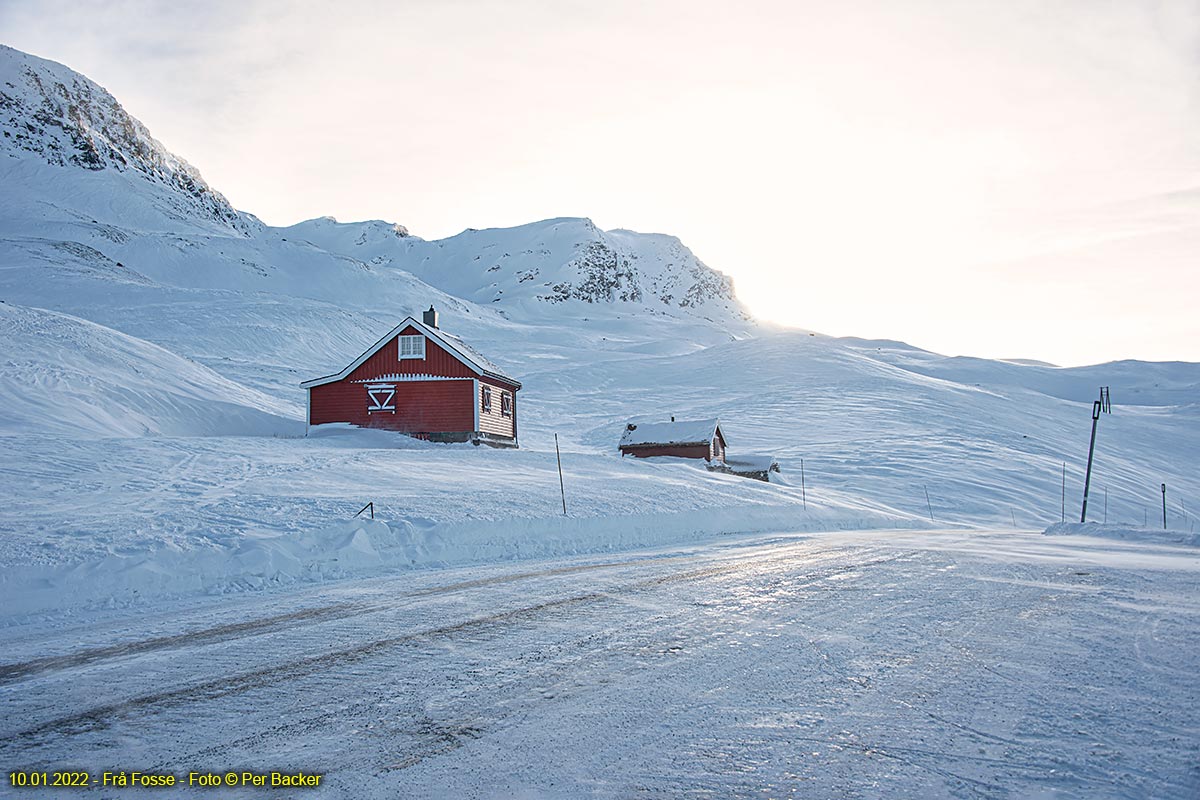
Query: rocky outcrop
point(54, 113)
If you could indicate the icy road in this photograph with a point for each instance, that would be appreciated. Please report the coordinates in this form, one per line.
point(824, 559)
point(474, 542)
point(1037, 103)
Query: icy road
point(881, 664)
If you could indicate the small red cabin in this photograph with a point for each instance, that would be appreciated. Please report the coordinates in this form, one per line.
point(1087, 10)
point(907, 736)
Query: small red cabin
point(699, 439)
point(424, 382)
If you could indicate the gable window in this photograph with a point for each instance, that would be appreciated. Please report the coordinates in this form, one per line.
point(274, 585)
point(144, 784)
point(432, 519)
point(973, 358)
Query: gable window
point(485, 402)
point(506, 404)
point(410, 346)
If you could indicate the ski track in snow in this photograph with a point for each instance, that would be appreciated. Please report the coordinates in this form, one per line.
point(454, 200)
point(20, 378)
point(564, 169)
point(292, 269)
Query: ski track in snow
point(898, 664)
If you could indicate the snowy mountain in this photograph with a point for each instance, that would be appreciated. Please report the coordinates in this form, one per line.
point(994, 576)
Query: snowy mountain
point(554, 261)
point(152, 331)
point(60, 117)
point(91, 176)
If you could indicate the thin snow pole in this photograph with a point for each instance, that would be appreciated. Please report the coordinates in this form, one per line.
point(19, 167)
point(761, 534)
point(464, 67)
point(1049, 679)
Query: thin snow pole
point(1164, 492)
point(1014, 516)
point(1105, 505)
point(562, 490)
point(1064, 493)
point(803, 491)
point(929, 504)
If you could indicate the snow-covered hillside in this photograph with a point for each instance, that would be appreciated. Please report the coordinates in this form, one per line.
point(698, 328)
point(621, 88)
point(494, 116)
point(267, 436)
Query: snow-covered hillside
point(66, 376)
point(144, 317)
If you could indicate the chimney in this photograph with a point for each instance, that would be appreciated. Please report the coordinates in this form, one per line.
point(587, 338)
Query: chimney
point(430, 318)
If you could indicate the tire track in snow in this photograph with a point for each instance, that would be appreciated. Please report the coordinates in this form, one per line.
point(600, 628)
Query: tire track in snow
point(98, 716)
point(17, 671)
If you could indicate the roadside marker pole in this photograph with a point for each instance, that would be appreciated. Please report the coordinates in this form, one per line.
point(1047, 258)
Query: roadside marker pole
point(562, 490)
point(803, 491)
point(928, 504)
point(1164, 491)
point(1064, 493)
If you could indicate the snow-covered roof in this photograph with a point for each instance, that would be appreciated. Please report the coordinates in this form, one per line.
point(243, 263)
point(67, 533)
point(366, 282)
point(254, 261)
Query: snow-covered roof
point(471, 353)
point(682, 432)
point(450, 343)
point(753, 462)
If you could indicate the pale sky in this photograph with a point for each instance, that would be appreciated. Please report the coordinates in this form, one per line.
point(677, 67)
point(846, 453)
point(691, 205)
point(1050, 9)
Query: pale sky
point(1016, 178)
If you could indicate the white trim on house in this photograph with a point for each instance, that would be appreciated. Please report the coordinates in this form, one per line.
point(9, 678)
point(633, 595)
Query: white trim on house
point(475, 402)
point(429, 333)
point(412, 378)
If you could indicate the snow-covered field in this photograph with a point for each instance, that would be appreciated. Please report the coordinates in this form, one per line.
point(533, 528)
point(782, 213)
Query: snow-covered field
point(883, 664)
point(120, 522)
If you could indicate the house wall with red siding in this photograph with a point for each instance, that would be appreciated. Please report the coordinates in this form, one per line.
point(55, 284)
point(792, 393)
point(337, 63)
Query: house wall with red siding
point(679, 451)
point(436, 406)
point(387, 362)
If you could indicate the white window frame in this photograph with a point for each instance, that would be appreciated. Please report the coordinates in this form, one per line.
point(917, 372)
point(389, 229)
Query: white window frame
point(406, 352)
point(485, 399)
point(506, 404)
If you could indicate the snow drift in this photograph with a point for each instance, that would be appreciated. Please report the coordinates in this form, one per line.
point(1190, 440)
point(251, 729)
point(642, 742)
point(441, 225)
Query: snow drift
point(64, 375)
point(1125, 533)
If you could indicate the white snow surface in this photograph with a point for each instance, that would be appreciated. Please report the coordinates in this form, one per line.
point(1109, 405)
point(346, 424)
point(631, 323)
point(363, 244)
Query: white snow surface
point(63, 375)
point(1125, 533)
point(751, 462)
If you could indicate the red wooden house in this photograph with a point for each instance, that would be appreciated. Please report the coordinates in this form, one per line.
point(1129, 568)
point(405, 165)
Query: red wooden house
point(424, 382)
point(699, 439)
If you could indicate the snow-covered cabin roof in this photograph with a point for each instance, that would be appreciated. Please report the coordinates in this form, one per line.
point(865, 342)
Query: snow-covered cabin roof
point(754, 462)
point(682, 432)
point(449, 342)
